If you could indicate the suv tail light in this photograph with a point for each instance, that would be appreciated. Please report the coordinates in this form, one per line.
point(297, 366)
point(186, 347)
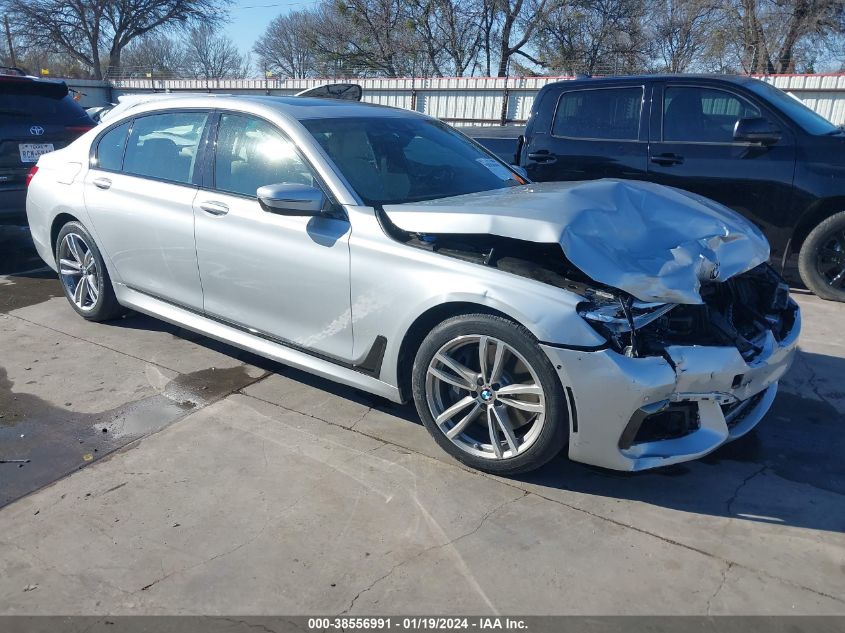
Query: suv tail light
point(78, 130)
point(31, 174)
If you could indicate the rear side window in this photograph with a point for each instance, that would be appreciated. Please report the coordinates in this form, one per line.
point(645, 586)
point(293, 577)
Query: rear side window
point(600, 113)
point(704, 115)
point(110, 148)
point(252, 153)
point(165, 146)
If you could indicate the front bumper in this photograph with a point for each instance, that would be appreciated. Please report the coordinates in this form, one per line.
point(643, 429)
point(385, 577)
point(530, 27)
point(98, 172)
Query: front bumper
point(612, 396)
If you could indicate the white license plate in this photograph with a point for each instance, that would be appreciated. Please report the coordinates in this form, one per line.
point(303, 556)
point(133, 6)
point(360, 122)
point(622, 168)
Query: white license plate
point(31, 151)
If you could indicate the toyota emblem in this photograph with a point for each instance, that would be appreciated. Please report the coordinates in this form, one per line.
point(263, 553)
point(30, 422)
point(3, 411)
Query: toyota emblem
point(36, 130)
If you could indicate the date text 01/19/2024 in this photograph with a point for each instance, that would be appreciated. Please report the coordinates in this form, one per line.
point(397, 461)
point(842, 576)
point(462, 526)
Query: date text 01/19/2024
point(415, 623)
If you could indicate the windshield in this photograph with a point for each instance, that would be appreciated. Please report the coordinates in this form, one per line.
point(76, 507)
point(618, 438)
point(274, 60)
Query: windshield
point(391, 160)
point(810, 121)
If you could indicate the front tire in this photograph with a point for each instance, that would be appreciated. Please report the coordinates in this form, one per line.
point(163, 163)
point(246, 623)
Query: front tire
point(821, 261)
point(83, 275)
point(489, 396)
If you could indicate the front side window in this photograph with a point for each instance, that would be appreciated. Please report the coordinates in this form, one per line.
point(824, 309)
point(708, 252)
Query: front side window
point(704, 115)
point(165, 146)
point(391, 160)
point(110, 148)
point(252, 153)
point(810, 121)
point(600, 113)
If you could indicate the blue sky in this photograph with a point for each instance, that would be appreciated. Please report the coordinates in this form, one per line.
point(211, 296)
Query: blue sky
point(249, 18)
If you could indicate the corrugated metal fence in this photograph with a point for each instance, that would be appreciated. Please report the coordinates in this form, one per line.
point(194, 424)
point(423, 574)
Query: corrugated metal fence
point(467, 100)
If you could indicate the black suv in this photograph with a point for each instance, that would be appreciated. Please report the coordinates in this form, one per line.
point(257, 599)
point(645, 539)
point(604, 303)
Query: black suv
point(36, 116)
point(736, 140)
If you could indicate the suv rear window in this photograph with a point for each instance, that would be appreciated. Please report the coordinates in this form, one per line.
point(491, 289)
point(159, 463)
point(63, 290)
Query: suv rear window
point(599, 113)
point(39, 101)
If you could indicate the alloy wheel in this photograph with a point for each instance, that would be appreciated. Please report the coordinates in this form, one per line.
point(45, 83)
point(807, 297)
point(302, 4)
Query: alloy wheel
point(485, 397)
point(78, 271)
point(830, 260)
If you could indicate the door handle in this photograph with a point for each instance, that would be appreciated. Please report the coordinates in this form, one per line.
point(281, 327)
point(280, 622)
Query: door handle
point(542, 156)
point(102, 183)
point(214, 208)
point(667, 159)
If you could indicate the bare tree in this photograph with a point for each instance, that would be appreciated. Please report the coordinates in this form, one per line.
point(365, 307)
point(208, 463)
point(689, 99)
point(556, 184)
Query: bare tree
point(154, 53)
point(369, 37)
point(461, 31)
point(680, 31)
point(286, 47)
point(769, 35)
point(593, 36)
point(451, 31)
point(95, 32)
point(519, 19)
point(211, 55)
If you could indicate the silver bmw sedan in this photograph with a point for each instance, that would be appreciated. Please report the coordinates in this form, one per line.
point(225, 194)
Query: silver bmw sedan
point(634, 325)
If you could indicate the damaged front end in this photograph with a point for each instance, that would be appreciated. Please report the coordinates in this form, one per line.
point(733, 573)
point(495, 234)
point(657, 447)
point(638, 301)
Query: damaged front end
point(707, 373)
point(739, 312)
point(699, 328)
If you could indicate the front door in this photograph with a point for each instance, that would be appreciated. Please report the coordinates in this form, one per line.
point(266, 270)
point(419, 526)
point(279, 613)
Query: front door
point(141, 203)
point(693, 148)
point(282, 277)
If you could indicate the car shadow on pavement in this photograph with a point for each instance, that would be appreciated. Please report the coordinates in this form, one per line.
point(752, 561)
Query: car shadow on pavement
point(406, 413)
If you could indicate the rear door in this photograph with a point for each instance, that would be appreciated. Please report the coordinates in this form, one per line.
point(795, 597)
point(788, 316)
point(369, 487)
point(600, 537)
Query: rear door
point(36, 117)
point(693, 148)
point(596, 132)
point(141, 202)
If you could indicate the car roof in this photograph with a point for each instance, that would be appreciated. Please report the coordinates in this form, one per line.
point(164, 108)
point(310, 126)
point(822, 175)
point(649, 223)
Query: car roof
point(636, 79)
point(8, 78)
point(300, 108)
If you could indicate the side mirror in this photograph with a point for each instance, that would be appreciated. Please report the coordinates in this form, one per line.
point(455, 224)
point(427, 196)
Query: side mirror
point(756, 130)
point(291, 199)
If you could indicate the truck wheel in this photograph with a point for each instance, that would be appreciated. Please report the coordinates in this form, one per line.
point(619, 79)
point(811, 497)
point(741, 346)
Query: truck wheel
point(821, 261)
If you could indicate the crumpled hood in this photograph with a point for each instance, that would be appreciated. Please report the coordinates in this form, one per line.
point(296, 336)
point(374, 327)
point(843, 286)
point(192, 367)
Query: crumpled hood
point(654, 242)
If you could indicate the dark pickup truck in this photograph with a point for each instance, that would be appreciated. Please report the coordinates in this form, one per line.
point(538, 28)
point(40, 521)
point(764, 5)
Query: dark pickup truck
point(736, 140)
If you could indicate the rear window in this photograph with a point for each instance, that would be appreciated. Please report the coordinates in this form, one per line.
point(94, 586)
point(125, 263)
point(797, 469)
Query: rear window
point(165, 146)
point(35, 100)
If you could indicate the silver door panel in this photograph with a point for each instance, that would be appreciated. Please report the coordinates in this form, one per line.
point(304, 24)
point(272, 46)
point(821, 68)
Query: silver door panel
point(147, 229)
point(279, 275)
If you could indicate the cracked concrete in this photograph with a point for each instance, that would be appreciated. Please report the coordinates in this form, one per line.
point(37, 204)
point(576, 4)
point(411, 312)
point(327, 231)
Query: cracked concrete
point(294, 495)
point(742, 484)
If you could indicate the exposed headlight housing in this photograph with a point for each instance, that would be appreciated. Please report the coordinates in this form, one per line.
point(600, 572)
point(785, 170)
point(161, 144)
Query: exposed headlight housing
point(618, 317)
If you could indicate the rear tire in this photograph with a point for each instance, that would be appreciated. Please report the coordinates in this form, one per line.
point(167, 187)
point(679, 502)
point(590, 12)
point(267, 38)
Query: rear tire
point(821, 261)
point(83, 275)
point(501, 410)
